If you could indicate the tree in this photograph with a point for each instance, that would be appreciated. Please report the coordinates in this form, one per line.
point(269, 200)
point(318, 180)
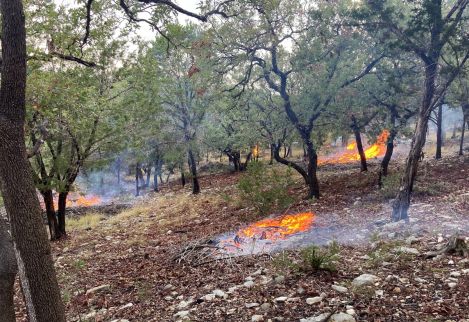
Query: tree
point(426, 29)
point(32, 249)
point(325, 58)
point(8, 271)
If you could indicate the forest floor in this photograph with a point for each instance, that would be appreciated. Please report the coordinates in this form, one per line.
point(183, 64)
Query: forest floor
point(122, 267)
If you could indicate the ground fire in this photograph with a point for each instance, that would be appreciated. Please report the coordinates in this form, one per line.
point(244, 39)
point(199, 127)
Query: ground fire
point(378, 149)
point(266, 231)
point(76, 199)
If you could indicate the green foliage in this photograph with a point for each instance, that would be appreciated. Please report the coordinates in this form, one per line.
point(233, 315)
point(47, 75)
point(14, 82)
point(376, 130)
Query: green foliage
point(390, 186)
point(265, 189)
point(314, 258)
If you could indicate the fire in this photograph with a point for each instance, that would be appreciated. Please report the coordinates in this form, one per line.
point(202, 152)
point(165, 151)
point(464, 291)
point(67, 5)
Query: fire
point(84, 201)
point(378, 149)
point(279, 227)
point(75, 199)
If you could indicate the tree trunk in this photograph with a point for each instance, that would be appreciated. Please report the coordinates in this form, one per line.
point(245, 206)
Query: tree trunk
point(402, 201)
point(358, 140)
point(388, 154)
point(193, 167)
point(463, 130)
point(313, 182)
point(30, 243)
point(271, 155)
point(183, 178)
point(137, 178)
point(51, 215)
point(148, 172)
point(62, 208)
point(8, 270)
point(439, 130)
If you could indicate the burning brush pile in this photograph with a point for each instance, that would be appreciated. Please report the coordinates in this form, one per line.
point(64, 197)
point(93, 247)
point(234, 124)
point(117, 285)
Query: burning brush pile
point(264, 236)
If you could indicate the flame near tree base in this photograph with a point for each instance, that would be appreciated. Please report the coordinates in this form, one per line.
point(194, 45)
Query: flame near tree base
point(378, 149)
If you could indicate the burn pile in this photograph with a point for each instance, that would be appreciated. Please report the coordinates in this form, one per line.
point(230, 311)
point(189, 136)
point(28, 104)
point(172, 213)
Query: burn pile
point(266, 235)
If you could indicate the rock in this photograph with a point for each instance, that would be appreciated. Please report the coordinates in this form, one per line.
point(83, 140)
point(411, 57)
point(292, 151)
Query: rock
point(168, 298)
point(251, 305)
point(101, 288)
point(208, 297)
point(231, 311)
point(257, 317)
point(341, 317)
point(219, 293)
point(293, 299)
point(168, 287)
point(379, 293)
point(455, 274)
point(318, 318)
point(281, 299)
point(364, 280)
point(249, 284)
point(365, 257)
point(340, 289)
point(258, 272)
point(249, 278)
point(90, 316)
point(313, 300)
point(300, 290)
point(266, 306)
point(452, 284)
point(396, 290)
point(125, 306)
point(407, 250)
point(450, 262)
point(182, 315)
point(184, 304)
point(279, 279)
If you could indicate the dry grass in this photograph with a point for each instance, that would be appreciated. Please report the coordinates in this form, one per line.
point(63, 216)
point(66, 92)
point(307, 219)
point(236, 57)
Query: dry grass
point(85, 222)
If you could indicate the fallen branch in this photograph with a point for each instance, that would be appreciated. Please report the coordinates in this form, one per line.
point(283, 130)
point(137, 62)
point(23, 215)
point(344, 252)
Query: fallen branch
point(455, 246)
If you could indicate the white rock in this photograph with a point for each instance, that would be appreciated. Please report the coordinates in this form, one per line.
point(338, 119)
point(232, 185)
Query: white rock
point(318, 318)
point(364, 280)
point(340, 289)
point(450, 262)
point(281, 299)
point(249, 284)
point(266, 306)
point(249, 278)
point(219, 293)
point(350, 311)
point(182, 315)
point(379, 293)
point(313, 300)
point(455, 274)
point(257, 317)
point(184, 304)
point(341, 317)
point(126, 306)
point(101, 288)
point(209, 297)
point(452, 285)
point(251, 305)
point(168, 298)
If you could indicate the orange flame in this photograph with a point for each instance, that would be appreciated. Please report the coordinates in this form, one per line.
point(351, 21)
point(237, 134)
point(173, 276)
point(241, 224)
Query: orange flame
point(75, 199)
point(378, 149)
point(279, 227)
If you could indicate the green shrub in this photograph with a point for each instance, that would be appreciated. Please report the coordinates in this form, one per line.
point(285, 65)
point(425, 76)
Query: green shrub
point(390, 185)
point(314, 258)
point(264, 189)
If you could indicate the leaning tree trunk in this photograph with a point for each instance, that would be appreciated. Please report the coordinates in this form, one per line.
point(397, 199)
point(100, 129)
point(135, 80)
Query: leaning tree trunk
point(439, 131)
point(193, 167)
point(402, 201)
point(30, 243)
point(389, 148)
point(358, 140)
point(48, 198)
point(8, 270)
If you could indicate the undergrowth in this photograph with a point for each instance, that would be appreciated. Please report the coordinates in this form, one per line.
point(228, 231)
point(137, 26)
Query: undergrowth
point(265, 189)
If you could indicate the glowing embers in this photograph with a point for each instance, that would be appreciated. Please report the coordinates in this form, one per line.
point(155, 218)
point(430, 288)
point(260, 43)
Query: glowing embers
point(263, 235)
point(378, 149)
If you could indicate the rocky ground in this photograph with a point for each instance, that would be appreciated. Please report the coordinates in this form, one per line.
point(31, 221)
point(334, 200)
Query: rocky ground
point(124, 269)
